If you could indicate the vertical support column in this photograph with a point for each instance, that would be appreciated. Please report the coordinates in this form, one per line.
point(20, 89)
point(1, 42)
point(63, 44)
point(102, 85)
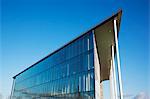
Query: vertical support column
point(12, 90)
point(111, 79)
point(118, 60)
point(98, 84)
point(114, 73)
point(101, 90)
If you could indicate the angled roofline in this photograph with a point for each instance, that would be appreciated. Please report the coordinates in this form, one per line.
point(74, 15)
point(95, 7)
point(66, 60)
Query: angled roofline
point(103, 22)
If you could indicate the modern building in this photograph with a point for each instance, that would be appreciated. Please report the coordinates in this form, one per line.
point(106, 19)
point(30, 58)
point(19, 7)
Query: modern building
point(76, 70)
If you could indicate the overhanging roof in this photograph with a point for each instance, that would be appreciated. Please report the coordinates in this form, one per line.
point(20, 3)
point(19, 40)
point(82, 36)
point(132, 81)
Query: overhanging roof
point(105, 38)
point(102, 23)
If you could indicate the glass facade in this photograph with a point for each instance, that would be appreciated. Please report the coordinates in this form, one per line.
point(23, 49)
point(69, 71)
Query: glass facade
point(66, 74)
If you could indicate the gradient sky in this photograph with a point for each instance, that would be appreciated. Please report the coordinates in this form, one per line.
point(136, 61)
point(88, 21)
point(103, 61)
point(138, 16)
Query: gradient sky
point(29, 29)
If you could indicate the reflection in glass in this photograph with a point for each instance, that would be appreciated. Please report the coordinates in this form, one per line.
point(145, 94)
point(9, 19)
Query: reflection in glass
point(66, 74)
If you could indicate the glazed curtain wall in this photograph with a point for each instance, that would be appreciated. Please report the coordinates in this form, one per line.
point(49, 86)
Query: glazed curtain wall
point(67, 74)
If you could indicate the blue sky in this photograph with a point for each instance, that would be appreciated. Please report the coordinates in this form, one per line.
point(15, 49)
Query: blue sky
point(29, 29)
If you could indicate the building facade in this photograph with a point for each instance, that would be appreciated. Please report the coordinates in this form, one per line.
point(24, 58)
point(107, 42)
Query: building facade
point(75, 71)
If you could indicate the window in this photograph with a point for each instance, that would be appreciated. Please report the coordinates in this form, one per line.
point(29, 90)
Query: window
point(68, 71)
